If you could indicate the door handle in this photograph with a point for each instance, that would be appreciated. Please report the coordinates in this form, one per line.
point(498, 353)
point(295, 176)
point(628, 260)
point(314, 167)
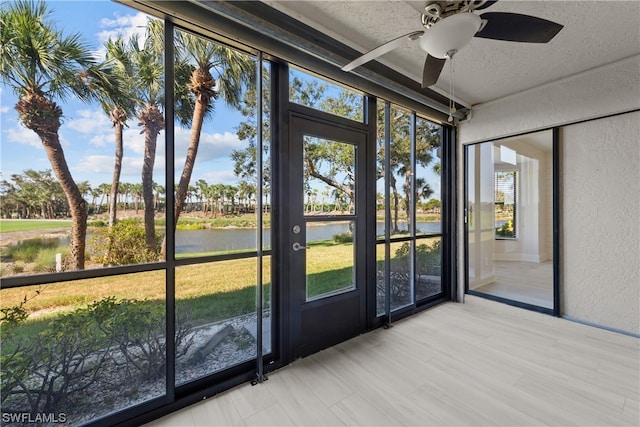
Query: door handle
point(298, 247)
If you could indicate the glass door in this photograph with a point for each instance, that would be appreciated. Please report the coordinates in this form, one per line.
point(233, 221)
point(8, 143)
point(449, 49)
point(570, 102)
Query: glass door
point(327, 234)
point(511, 220)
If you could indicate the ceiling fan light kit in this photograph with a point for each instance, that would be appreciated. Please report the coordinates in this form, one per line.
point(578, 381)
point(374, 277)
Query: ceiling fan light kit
point(449, 36)
point(449, 26)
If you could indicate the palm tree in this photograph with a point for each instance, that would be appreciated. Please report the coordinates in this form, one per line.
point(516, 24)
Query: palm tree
point(105, 190)
point(42, 64)
point(120, 106)
point(234, 70)
point(149, 71)
point(196, 58)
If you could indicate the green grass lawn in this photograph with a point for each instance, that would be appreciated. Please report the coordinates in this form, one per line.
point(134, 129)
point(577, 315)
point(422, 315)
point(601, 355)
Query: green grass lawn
point(10, 225)
point(209, 292)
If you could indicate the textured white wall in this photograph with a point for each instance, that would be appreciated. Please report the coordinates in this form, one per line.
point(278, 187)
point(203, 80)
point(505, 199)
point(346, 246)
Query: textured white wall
point(600, 250)
point(600, 214)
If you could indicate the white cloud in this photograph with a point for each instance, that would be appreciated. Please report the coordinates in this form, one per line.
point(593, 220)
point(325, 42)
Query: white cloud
point(89, 122)
point(212, 145)
point(103, 165)
point(125, 26)
point(22, 135)
point(134, 141)
point(220, 177)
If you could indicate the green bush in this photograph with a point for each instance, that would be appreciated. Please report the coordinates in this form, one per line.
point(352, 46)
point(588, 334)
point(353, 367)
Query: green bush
point(137, 328)
point(123, 244)
point(107, 345)
point(343, 238)
point(46, 259)
point(27, 250)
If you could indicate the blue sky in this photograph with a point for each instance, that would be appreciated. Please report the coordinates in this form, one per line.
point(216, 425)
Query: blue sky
point(87, 134)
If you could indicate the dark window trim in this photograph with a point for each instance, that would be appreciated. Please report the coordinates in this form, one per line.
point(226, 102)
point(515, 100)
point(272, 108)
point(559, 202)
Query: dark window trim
point(273, 32)
point(179, 396)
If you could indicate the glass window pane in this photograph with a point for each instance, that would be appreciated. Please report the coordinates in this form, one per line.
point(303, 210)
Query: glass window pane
point(330, 261)
point(506, 199)
point(428, 268)
point(98, 200)
point(329, 176)
point(315, 92)
point(84, 349)
point(216, 312)
point(381, 189)
point(267, 301)
point(381, 290)
point(401, 170)
point(215, 147)
point(510, 233)
point(401, 275)
point(428, 179)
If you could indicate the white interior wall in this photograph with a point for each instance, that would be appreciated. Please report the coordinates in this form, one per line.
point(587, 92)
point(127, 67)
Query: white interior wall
point(600, 273)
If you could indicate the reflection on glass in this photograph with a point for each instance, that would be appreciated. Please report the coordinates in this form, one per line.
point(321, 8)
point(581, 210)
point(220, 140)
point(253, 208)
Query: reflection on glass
point(329, 176)
point(216, 303)
point(509, 188)
point(330, 260)
point(85, 348)
point(323, 95)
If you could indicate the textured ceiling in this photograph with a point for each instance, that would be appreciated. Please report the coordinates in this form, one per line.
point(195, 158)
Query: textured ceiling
point(595, 33)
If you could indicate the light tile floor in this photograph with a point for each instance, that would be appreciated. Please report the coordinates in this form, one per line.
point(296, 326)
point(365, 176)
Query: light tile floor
point(480, 363)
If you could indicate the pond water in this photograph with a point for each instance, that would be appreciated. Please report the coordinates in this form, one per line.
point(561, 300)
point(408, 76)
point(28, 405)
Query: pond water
point(196, 241)
point(234, 239)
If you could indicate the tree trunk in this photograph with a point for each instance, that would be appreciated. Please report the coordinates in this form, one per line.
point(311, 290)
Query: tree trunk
point(43, 117)
point(152, 121)
point(117, 168)
point(201, 85)
point(395, 204)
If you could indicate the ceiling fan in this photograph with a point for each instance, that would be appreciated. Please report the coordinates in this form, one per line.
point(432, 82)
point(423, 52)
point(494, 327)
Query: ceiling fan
point(450, 26)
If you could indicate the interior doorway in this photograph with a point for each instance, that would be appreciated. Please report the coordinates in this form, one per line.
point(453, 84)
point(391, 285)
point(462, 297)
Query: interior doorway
point(511, 220)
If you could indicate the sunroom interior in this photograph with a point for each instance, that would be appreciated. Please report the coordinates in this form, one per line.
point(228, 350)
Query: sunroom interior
point(464, 253)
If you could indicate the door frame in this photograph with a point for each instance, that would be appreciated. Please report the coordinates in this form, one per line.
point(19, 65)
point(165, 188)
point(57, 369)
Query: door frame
point(285, 328)
point(323, 322)
point(555, 310)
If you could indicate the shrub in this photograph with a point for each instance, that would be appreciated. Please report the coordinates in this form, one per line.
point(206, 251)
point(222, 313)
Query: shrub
point(343, 238)
point(506, 230)
point(108, 345)
point(47, 372)
point(46, 259)
point(138, 329)
point(28, 250)
point(123, 244)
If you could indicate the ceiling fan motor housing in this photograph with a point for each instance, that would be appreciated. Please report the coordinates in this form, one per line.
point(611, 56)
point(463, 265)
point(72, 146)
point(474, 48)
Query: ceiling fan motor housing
point(449, 36)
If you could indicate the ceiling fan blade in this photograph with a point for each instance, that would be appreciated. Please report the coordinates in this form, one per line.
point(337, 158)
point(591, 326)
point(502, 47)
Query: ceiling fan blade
point(486, 4)
point(431, 71)
point(515, 27)
point(381, 50)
